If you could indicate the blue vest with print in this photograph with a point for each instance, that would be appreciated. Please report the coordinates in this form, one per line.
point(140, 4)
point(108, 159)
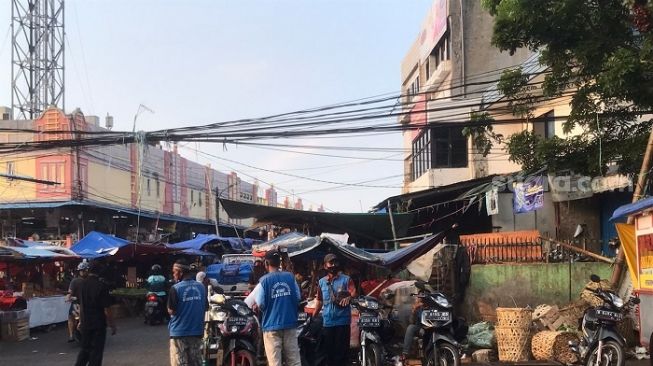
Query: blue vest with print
point(279, 300)
point(334, 315)
point(188, 320)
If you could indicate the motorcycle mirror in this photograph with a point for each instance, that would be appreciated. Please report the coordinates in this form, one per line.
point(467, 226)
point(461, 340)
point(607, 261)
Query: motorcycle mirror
point(594, 278)
point(233, 288)
point(636, 300)
point(579, 230)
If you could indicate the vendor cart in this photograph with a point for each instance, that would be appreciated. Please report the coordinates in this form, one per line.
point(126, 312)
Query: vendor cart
point(642, 263)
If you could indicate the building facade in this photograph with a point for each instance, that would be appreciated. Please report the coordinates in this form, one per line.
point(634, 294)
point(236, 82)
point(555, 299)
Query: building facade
point(443, 75)
point(145, 191)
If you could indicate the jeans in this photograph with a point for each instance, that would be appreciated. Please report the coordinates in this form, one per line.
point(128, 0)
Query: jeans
point(92, 347)
point(281, 345)
point(336, 344)
point(411, 331)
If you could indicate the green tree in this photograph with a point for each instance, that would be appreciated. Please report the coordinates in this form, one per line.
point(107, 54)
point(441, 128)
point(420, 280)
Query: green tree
point(602, 49)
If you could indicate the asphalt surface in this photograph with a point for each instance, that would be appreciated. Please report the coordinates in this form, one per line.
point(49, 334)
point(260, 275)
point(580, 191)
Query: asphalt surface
point(134, 344)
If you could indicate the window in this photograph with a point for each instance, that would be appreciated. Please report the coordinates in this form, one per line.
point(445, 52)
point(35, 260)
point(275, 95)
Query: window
point(199, 199)
point(149, 190)
point(10, 168)
point(53, 172)
point(192, 196)
point(549, 125)
point(414, 86)
point(442, 147)
point(450, 147)
point(158, 185)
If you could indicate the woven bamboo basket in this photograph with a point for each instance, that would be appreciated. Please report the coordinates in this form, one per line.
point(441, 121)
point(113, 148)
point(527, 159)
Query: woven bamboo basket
point(519, 318)
point(553, 346)
point(513, 344)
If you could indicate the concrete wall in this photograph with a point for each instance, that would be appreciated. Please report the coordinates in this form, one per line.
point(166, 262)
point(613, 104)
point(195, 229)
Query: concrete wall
point(542, 219)
point(510, 285)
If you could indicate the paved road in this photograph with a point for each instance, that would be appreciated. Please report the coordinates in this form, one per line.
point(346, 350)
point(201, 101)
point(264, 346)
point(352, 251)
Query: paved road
point(135, 344)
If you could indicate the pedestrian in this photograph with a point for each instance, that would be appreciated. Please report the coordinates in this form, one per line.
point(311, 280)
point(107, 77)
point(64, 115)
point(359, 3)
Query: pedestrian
point(82, 270)
point(258, 271)
point(333, 298)
point(278, 300)
point(95, 316)
point(413, 327)
point(187, 304)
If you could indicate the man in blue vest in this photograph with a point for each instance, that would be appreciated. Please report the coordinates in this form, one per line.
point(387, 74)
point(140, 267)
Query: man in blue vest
point(333, 298)
point(187, 304)
point(278, 301)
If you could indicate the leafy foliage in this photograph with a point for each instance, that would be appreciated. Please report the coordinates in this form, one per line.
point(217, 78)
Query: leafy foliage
point(603, 49)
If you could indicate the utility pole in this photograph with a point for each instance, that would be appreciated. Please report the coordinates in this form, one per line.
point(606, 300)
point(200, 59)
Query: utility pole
point(639, 190)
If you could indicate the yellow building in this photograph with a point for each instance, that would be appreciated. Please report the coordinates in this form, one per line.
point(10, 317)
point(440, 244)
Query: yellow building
point(119, 189)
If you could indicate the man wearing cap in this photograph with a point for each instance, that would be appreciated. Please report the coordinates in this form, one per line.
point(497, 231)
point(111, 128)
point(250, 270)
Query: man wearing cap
point(95, 316)
point(333, 298)
point(187, 304)
point(278, 301)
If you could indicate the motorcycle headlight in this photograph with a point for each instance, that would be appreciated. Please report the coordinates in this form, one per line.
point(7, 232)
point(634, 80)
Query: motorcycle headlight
point(242, 310)
point(371, 304)
point(617, 301)
point(220, 316)
point(442, 301)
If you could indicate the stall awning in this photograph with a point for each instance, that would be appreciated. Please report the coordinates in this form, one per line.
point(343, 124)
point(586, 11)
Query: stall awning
point(298, 245)
point(21, 253)
point(374, 226)
point(201, 240)
point(632, 208)
point(97, 245)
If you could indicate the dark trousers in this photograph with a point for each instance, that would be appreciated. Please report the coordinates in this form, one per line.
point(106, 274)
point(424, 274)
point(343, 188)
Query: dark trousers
point(336, 344)
point(92, 347)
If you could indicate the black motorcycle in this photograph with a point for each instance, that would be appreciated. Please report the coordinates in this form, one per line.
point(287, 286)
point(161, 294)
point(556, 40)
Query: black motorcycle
point(155, 309)
point(601, 343)
point(440, 334)
point(231, 331)
point(309, 338)
point(371, 352)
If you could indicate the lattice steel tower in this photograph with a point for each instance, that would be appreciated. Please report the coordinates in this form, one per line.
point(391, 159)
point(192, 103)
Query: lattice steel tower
point(37, 56)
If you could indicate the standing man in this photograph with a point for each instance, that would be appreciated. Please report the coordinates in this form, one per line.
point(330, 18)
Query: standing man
point(258, 271)
point(278, 301)
point(95, 315)
point(333, 298)
point(82, 270)
point(187, 304)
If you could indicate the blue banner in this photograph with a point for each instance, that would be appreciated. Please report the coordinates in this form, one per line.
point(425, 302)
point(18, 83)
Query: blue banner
point(529, 195)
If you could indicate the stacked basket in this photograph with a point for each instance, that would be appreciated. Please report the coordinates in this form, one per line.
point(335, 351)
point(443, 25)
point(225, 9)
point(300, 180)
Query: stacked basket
point(513, 333)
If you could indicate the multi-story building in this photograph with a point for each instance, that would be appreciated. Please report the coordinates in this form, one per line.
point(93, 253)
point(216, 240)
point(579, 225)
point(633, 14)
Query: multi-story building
point(122, 189)
point(443, 75)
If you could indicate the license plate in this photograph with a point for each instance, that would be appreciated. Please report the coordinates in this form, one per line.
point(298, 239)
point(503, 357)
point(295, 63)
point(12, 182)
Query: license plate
point(152, 303)
point(609, 315)
point(236, 320)
point(439, 316)
point(369, 322)
point(301, 317)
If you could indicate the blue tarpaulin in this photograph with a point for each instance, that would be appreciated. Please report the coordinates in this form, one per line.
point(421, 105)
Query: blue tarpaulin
point(230, 274)
point(96, 245)
point(201, 240)
point(632, 208)
point(197, 252)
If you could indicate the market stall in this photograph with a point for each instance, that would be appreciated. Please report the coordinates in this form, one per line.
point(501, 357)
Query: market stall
point(33, 273)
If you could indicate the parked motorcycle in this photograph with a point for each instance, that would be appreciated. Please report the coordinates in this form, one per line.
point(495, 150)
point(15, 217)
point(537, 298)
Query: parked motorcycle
point(155, 309)
point(231, 331)
point(309, 338)
point(601, 343)
point(371, 352)
point(440, 334)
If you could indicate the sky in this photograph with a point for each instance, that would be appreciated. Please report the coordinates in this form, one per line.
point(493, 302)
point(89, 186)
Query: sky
point(205, 61)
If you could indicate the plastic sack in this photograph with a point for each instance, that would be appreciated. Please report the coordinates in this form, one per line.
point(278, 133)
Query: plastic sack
point(481, 335)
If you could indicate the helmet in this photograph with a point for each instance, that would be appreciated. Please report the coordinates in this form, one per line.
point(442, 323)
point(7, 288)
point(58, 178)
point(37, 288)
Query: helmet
point(83, 266)
point(156, 268)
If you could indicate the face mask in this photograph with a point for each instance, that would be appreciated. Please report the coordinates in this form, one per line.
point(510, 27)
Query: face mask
point(333, 270)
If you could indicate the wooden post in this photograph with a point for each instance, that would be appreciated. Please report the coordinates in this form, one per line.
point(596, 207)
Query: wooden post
point(639, 189)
